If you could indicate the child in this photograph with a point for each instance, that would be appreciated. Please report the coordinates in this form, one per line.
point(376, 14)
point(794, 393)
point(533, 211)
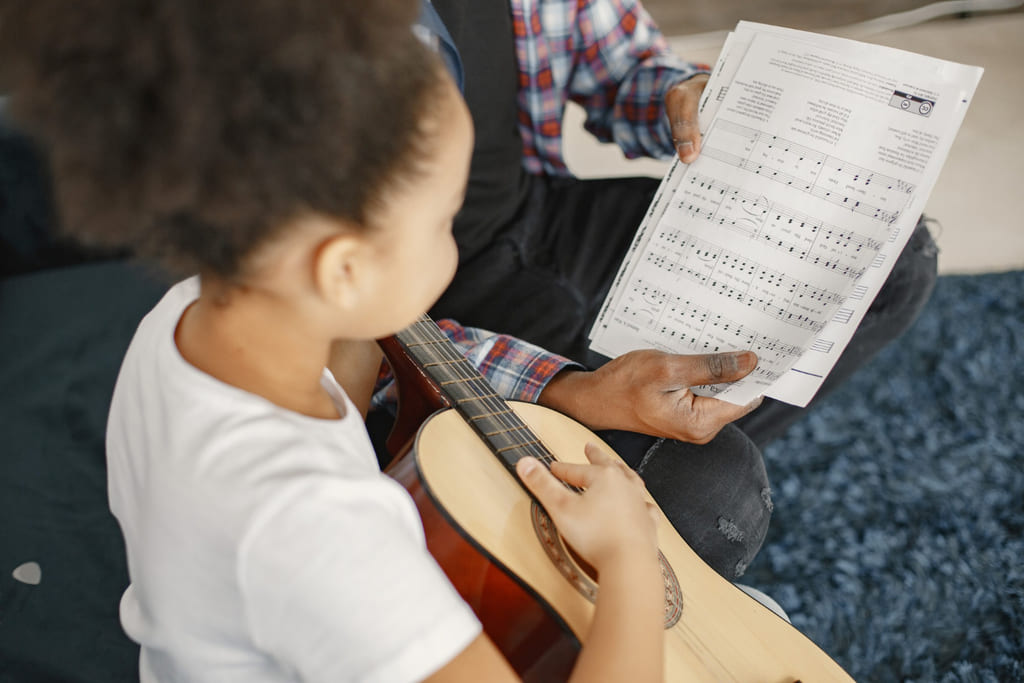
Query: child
point(306, 159)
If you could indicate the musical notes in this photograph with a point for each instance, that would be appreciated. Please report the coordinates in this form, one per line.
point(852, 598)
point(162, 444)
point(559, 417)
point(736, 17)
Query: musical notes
point(690, 290)
point(743, 280)
point(793, 233)
point(780, 234)
point(761, 374)
point(675, 318)
point(861, 190)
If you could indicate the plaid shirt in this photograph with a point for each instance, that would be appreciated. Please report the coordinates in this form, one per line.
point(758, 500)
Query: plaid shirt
point(516, 369)
point(606, 55)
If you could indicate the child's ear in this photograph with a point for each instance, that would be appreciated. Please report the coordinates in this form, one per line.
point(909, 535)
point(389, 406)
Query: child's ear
point(341, 270)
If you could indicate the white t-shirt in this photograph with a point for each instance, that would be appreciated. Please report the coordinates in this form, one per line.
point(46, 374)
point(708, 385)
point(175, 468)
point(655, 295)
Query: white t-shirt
point(264, 545)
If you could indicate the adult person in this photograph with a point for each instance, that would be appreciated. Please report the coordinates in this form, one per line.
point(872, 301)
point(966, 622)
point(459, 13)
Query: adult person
point(538, 247)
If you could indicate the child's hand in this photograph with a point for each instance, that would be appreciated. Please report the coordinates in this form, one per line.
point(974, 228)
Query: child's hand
point(610, 521)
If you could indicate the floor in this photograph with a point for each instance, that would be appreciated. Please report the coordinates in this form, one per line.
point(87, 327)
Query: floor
point(978, 228)
point(682, 17)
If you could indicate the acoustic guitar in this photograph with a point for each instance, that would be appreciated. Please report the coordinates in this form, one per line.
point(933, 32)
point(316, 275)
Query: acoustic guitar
point(534, 597)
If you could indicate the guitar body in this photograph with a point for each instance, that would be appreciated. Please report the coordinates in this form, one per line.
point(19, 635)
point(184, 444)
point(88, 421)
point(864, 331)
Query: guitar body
point(456, 443)
point(535, 600)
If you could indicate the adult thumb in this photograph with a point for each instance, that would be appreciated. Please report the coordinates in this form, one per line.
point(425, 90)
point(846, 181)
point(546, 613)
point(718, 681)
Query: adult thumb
point(724, 367)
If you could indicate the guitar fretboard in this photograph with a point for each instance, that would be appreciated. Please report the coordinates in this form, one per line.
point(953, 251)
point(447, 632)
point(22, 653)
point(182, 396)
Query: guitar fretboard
point(507, 436)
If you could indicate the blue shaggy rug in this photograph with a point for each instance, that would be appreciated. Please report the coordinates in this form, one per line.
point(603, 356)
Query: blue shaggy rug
point(897, 542)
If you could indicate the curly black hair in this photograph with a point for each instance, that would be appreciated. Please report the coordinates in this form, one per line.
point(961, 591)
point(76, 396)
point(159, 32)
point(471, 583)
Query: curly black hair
point(191, 130)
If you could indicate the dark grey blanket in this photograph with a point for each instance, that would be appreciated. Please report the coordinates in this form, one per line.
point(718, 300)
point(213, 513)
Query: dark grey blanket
point(62, 335)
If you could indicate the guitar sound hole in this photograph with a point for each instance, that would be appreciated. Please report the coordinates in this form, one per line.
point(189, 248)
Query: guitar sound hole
point(583, 577)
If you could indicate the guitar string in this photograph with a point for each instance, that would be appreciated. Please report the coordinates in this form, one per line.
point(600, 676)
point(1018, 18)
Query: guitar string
point(523, 440)
point(458, 367)
point(425, 331)
point(462, 370)
point(458, 370)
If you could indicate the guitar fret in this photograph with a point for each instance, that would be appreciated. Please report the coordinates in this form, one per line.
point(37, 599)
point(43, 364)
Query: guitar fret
point(429, 341)
point(507, 430)
point(426, 321)
point(481, 397)
point(461, 380)
point(532, 442)
point(457, 361)
point(484, 416)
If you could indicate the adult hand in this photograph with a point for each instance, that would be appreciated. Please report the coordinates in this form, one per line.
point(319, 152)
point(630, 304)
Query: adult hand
point(648, 391)
point(681, 108)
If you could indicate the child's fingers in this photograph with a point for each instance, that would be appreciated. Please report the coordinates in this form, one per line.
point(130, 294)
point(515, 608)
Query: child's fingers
point(574, 474)
point(655, 512)
point(599, 456)
point(551, 493)
point(582, 475)
point(596, 454)
point(578, 474)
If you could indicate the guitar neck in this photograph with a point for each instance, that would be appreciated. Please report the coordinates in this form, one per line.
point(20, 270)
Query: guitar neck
point(469, 393)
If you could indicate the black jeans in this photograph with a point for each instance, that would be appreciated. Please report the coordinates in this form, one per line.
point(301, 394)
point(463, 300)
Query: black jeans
point(716, 495)
point(544, 278)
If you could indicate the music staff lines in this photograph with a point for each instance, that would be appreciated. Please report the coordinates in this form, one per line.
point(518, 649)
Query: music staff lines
point(859, 189)
point(776, 294)
point(797, 234)
point(674, 317)
point(858, 293)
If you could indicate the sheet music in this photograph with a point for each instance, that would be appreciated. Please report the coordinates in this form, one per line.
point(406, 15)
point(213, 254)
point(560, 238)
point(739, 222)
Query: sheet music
point(818, 156)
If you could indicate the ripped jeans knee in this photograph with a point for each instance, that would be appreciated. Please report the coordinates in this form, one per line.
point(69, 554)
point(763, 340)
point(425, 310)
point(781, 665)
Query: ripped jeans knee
point(716, 495)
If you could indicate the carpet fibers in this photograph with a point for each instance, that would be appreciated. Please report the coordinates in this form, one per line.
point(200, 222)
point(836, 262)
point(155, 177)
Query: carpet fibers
point(897, 540)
